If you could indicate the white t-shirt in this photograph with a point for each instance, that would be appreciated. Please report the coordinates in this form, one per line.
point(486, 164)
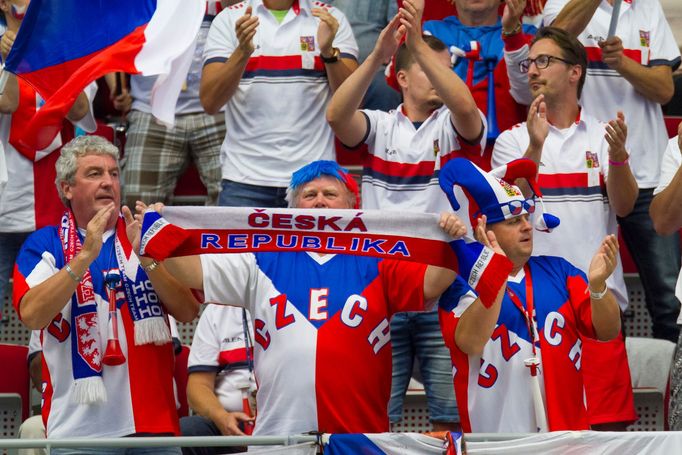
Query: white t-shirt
point(276, 118)
point(401, 171)
point(648, 40)
point(672, 160)
point(572, 177)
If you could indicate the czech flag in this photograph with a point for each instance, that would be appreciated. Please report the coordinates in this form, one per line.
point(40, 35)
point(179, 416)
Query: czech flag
point(63, 45)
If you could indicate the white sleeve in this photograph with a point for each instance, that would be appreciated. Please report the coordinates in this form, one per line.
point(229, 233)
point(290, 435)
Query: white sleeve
point(670, 163)
point(221, 40)
point(518, 81)
point(373, 117)
point(552, 10)
point(510, 146)
point(344, 39)
point(206, 341)
point(663, 47)
point(34, 342)
point(229, 279)
point(88, 123)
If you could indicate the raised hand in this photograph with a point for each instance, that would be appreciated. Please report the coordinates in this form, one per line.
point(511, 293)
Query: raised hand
point(616, 134)
point(511, 16)
point(326, 31)
point(95, 229)
point(389, 40)
point(411, 18)
point(452, 225)
point(603, 263)
point(245, 28)
point(486, 237)
point(537, 123)
point(6, 43)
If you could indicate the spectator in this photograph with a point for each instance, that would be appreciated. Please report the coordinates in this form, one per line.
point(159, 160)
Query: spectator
point(632, 72)
point(220, 365)
point(502, 44)
point(666, 213)
point(70, 280)
point(275, 63)
point(28, 201)
point(512, 379)
point(438, 118)
point(156, 156)
point(367, 19)
point(320, 320)
point(586, 178)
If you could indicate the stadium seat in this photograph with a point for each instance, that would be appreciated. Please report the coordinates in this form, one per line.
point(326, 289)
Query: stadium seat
point(14, 389)
point(180, 376)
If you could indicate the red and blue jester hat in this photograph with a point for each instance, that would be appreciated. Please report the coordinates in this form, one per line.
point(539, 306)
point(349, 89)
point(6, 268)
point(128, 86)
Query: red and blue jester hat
point(473, 192)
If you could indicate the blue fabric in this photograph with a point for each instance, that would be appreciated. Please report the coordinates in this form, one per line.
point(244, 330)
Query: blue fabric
point(96, 29)
point(658, 261)
point(235, 194)
point(418, 335)
point(453, 33)
point(200, 426)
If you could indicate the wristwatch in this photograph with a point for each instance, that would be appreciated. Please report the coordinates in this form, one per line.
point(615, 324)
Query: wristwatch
point(334, 57)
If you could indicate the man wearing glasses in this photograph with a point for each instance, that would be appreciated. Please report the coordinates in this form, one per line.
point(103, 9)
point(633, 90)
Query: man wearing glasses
point(583, 171)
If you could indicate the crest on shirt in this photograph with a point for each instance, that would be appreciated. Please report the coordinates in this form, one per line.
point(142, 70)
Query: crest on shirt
point(592, 160)
point(644, 38)
point(436, 147)
point(87, 335)
point(307, 43)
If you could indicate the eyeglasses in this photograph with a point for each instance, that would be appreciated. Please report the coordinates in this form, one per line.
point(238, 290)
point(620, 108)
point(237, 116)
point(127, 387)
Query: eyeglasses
point(542, 61)
point(516, 207)
point(512, 208)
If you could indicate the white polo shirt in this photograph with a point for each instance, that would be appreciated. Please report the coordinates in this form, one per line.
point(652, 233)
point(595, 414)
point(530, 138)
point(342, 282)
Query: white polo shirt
point(276, 118)
point(672, 160)
point(648, 40)
point(572, 177)
point(401, 170)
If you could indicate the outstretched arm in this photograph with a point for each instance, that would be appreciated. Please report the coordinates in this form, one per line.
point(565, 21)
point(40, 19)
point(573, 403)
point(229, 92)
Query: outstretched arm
point(466, 117)
point(575, 15)
point(343, 113)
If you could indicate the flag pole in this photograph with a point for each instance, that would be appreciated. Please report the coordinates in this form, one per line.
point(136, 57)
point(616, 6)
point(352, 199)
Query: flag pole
point(614, 18)
point(4, 76)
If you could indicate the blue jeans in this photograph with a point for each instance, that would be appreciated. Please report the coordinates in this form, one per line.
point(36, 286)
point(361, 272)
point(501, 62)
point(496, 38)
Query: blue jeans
point(235, 194)
point(201, 426)
point(658, 261)
point(418, 335)
point(118, 451)
point(10, 243)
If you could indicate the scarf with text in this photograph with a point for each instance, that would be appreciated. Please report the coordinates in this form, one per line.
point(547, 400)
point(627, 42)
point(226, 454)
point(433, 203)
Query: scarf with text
point(143, 303)
point(395, 235)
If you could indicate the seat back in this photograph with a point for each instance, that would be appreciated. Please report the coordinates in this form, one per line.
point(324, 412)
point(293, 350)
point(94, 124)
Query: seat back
point(180, 376)
point(13, 359)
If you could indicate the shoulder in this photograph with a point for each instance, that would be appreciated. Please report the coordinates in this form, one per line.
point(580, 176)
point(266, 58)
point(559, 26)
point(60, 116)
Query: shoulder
point(47, 237)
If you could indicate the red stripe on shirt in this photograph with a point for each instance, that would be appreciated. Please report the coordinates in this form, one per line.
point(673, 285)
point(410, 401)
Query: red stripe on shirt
point(573, 180)
point(594, 54)
point(281, 62)
point(394, 169)
point(232, 356)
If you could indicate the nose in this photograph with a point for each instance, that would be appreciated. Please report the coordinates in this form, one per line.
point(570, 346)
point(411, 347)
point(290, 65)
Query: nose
point(320, 201)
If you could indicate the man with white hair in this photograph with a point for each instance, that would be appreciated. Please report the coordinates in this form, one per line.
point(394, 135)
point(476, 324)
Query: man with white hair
point(103, 312)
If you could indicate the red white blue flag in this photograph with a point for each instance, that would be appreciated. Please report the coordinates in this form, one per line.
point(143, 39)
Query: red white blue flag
point(63, 45)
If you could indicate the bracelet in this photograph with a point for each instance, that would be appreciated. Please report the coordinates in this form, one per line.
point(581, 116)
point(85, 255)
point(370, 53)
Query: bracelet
point(333, 58)
point(151, 266)
point(619, 163)
point(73, 276)
point(598, 295)
point(516, 30)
